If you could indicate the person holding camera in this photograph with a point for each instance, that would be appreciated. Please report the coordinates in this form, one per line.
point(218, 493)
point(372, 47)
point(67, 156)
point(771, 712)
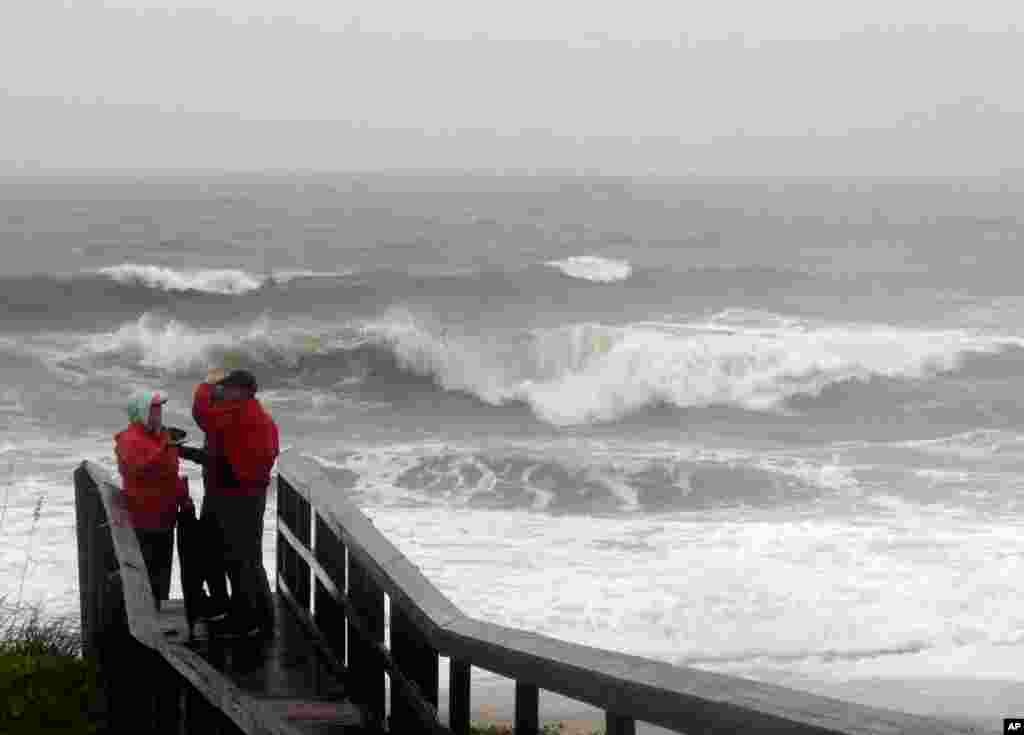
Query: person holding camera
point(241, 447)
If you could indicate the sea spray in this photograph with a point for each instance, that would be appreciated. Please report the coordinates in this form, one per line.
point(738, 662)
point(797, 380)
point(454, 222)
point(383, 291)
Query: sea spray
point(593, 268)
point(224, 281)
point(573, 374)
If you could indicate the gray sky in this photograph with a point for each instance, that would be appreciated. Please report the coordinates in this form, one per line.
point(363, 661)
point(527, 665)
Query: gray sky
point(765, 86)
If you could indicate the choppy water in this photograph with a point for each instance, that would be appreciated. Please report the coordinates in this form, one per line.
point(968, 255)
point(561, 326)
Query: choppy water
point(768, 428)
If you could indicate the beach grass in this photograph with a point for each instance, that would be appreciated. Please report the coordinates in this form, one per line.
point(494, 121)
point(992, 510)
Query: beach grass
point(46, 686)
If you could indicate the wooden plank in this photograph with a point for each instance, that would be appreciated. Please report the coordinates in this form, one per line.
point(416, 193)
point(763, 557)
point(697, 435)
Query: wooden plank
point(303, 521)
point(417, 661)
point(459, 696)
point(419, 600)
point(527, 709)
point(223, 694)
point(618, 724)
point(674, 697)
point(169, 696)
point(329, 569)
point(317, 636)
point(367, 600)
point(286, 497)
point(283, 570)
point(301, 590)
point(330, 553)
point(310, 715)
point(200, 714)
point(330, 620)
point(85, 529)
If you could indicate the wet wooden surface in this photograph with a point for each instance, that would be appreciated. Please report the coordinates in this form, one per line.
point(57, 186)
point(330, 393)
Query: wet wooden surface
point(285, 677)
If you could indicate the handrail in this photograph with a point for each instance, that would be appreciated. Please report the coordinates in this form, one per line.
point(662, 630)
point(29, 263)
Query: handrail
point(92, 482)
point(627, 687)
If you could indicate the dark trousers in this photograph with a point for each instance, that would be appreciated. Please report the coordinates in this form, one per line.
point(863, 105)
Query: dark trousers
point(157, 549)
point(237, 525)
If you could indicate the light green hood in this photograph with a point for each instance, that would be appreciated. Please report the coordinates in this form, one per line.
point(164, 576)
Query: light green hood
point(138, 409)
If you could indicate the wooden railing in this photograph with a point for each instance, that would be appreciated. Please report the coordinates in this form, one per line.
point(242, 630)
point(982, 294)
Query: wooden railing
point(336, 569)
point(149, 685)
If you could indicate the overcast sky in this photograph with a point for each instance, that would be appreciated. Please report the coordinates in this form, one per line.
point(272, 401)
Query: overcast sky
point(765, 86)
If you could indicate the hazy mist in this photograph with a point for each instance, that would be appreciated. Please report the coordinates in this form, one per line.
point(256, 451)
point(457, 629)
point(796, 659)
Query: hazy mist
point(624, 88)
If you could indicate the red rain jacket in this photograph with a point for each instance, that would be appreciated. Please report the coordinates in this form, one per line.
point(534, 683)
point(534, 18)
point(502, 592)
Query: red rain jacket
point(243, 434)
point(149, 477)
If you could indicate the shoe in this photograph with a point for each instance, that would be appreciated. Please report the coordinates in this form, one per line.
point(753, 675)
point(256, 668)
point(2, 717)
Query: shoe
point(234, 629)
point(211, 612)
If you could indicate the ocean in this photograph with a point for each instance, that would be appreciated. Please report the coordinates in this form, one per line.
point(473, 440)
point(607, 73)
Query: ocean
point(763, 427)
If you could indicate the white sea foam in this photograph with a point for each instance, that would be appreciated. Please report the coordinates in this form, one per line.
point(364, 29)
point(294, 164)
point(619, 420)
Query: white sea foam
point(223, 281)
point(157, 341)
point(585, 373)
point(901, 597)
point(286, 276)
point(578, 373)
point(593, 268)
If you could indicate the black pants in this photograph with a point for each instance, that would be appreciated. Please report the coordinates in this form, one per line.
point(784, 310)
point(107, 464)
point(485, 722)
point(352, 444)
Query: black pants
point(157, 549)
point(237, 524)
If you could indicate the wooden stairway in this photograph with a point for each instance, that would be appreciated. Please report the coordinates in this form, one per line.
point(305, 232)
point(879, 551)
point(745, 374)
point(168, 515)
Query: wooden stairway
point(286, 677)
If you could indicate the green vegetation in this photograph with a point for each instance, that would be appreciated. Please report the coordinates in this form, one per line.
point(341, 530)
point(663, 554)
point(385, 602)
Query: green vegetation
point(45, 684)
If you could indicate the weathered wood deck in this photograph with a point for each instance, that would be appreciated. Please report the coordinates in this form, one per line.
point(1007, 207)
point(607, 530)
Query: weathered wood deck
point(286, 677)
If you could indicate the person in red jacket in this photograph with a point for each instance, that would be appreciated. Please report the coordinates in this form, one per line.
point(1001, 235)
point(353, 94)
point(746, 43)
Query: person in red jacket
point(241, 448)
point(153, 491)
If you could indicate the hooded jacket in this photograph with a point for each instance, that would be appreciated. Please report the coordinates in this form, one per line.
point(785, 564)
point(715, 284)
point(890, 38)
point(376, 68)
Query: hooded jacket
point(241, 441)
point(149, 474)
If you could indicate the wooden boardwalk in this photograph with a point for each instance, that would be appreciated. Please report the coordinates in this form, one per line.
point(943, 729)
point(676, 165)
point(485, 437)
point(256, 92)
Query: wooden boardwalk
point(286, 678)
point(325, 670)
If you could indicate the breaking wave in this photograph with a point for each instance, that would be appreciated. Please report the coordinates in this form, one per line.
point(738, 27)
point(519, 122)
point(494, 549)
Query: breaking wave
point(226, 282)
point(575, 374)
point(594, 268)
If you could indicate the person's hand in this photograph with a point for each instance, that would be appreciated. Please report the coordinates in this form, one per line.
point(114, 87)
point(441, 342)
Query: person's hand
point(215, 375)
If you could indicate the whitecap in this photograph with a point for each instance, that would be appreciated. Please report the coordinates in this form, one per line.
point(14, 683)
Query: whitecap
point(594, 268)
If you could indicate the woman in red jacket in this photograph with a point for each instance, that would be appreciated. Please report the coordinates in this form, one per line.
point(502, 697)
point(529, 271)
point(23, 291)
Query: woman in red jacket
point(153, 491)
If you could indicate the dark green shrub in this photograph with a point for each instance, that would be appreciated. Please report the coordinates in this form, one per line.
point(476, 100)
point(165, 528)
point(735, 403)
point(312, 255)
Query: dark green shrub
point(41, 693)
point(45, 685)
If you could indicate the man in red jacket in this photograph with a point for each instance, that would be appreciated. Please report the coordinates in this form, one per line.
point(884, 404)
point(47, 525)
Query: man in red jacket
point(153, 491)
point(241, 448)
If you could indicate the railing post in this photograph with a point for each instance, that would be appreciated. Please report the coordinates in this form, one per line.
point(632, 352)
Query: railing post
point(417, 660)
point(328, 614)
point(527, 709)
point(202, 717)
point(619, 724)
point(294, 512)
point(169, 696)
point(458, 696)
point(94, 548)
point(366, 669)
